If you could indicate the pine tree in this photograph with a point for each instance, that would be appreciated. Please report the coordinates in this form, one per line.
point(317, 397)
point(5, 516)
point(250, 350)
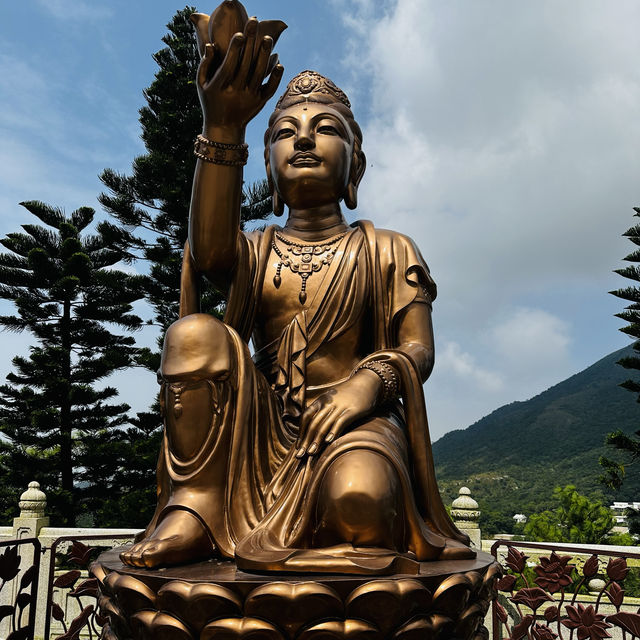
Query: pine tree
point(150, 211)
point(628, 445)
point(72, 299)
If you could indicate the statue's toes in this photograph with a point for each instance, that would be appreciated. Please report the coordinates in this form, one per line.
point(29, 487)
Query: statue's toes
point(156, 553)
point(133, 557)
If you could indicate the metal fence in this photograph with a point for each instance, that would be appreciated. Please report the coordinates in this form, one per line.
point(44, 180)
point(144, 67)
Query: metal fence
point(74, 585)
point(19, 587)
point(566, 592)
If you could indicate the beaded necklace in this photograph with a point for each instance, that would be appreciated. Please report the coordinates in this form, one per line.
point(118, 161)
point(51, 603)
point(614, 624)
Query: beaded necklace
point(311, 258)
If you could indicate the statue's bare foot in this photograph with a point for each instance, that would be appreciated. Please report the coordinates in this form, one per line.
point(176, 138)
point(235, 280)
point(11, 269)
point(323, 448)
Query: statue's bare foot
point(455, 550)
point(179, 538)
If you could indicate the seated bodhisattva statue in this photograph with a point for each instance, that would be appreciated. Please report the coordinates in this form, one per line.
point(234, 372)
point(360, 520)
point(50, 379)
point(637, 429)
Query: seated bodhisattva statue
point(314, 454)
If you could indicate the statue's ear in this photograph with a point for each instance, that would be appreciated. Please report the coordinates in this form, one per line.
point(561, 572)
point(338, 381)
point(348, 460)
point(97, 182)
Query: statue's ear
point(276, 201)
point(358, 166)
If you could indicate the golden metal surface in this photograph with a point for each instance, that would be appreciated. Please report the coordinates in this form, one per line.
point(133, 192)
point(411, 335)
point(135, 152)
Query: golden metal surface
point(447, 599)
point(314, 454)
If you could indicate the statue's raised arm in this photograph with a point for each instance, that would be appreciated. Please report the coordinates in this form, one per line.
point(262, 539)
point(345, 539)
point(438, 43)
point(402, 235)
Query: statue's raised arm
point(237, 75)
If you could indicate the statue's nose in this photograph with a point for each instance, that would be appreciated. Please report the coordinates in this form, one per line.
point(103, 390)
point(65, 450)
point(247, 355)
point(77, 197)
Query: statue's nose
point(304, 141)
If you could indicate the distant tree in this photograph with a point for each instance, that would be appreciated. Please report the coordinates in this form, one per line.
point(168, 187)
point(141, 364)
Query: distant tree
point(150, 209)
point(575, 519)
point(494, 522)
point(633, 521)
point(627, 445)
point(71, 298)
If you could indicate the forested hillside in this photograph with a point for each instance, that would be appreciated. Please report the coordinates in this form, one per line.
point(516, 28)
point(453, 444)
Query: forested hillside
point(513, 458)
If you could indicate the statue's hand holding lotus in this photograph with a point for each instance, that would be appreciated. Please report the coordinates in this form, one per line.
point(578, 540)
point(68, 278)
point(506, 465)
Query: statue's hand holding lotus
point(236, 59)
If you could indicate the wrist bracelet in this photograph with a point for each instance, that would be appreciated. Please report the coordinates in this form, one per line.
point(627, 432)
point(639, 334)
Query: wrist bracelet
point(233, 155)
point(387, 374)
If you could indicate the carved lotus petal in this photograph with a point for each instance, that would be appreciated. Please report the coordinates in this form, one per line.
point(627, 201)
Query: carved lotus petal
point(230, 18)
point(341, 630)
point(387, 603)
point(116, 622)
point(107, 633)
point(442, 625)
point(491, 577)
point(108, 608)
point(156, 625)
point(201, 24)
point(198, 603)
point(130, 594)
point(452, 595)
point(590, 567)
point(475, 580)
point(469, 621)
point(291, 605)
point(237, 628)
point(98, 571)
point(416, 629)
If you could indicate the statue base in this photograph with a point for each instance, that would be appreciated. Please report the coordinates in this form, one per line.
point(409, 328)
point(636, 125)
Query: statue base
point(214, 599)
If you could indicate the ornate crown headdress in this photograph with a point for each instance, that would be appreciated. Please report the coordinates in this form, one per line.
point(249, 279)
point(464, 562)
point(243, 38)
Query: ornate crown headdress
point(314, 87)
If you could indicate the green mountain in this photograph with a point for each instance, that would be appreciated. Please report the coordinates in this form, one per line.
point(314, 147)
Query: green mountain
point(513, 458)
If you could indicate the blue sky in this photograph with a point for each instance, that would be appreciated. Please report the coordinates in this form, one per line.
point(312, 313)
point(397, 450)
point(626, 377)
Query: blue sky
point(502, 136)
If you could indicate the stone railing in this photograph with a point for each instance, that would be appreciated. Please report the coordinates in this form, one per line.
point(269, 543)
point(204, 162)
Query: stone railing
point(49, 544)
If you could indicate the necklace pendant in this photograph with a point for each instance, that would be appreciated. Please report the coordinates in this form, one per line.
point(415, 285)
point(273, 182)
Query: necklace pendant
point(302, 296)
point(277, 281)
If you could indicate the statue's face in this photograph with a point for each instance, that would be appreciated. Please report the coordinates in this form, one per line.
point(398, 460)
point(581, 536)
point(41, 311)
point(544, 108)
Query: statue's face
point(310, 153)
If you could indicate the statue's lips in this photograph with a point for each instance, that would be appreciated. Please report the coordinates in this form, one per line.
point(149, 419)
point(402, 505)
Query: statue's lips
point(305, 160)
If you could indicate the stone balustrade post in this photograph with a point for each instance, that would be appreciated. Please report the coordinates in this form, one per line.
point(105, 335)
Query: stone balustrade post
point(33, 503)
point(466, 514)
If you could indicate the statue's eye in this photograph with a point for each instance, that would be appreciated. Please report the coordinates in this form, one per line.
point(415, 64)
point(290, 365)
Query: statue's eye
point(328, 130)
point(285, 132)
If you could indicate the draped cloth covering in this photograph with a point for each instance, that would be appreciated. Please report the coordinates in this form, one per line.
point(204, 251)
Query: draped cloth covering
point(262, 500)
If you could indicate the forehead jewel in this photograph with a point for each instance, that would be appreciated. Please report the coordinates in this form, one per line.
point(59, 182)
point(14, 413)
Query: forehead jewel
point(311, 86)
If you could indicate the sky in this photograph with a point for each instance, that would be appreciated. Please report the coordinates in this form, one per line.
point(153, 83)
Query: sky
point(503, 137)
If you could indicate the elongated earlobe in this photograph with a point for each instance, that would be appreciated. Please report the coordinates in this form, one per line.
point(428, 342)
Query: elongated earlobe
point(278, 205)
point(358, 165)
point(351, 196)
point(276, 202)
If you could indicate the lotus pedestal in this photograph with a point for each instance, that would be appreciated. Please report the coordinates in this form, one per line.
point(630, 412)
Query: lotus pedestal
point(213, 599)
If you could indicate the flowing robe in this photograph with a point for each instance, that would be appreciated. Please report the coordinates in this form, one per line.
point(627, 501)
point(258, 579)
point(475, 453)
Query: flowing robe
point(261, 506)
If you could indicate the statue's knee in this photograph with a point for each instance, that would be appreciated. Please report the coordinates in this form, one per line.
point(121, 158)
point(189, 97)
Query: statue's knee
point(197, 346)
point(359, 500)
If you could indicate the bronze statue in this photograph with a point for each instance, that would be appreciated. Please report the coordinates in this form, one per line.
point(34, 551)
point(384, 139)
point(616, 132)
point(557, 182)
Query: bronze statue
point(314, 454)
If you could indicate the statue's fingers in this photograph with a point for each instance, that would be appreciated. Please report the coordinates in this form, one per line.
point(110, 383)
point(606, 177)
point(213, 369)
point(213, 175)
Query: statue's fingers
point(262, 60)
point(205, 63)
point(338, 426)
point(270, 87)
point(312, 427)
point(244, 73)
point(305, 420)
point(227, 70)
point(322, 423)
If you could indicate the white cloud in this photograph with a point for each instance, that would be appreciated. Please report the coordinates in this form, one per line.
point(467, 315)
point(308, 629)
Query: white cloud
point(531, 336)
point(453, 360)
